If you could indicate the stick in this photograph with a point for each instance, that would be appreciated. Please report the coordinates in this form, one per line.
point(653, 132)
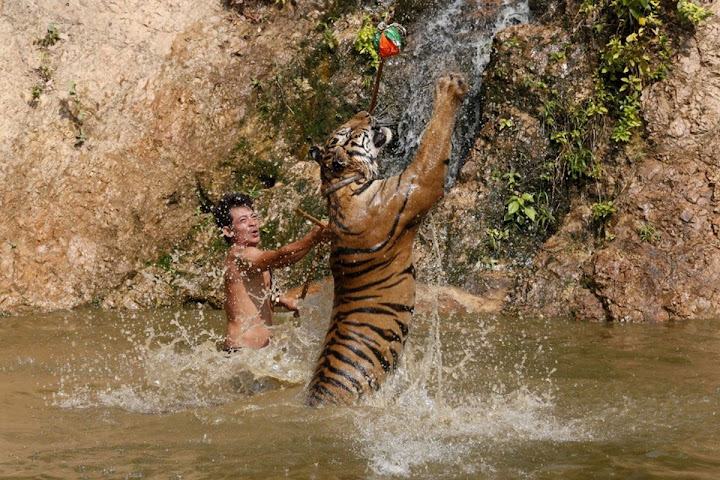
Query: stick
point(376, 87)
point(307, 216)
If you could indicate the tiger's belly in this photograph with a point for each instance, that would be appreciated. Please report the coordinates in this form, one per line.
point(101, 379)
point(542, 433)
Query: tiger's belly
point(372, 308)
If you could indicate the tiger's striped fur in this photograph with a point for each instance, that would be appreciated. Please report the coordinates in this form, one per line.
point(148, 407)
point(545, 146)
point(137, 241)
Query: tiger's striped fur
point(374, 223)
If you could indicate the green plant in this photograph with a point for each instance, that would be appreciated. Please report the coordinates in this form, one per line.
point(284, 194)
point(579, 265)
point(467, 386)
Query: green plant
point(511, 179)
point(514, 42)
point(557, 57)
point(36, 91)
point(165, 261)
point(629, 118)
point(77, 112)
point(506, 123)
point(519, 208)
point(545, 218)
point(329, 40)
point(364, 44)
point(689, 11)
point(602, 210)
point(80, 138)
point(649, 233)
point(45, 69)
point(495, 237)
point(52, 35)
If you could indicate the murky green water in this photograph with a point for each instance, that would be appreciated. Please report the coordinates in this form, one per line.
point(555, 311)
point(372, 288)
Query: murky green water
point(91, 394)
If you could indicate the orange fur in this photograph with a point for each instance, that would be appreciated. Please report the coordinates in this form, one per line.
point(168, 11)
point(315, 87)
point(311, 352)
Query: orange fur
point(374, 223)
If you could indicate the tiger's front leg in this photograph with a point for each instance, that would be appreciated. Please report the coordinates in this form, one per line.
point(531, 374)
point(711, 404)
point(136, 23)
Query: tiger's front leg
point(426, 174)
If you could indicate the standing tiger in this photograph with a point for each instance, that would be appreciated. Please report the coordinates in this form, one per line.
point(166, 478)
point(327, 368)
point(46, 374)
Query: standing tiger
point(374, 223)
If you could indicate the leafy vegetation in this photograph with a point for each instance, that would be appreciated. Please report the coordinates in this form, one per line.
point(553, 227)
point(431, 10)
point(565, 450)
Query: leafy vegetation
point(620, 47)
point(495, 237)
point(520, 209)
point(44, 70)
point(602, 210)
point(364, 44)
point(329, 41)
point(52, 35)
point(77, 112)
point(689, 11)
point(649, 233)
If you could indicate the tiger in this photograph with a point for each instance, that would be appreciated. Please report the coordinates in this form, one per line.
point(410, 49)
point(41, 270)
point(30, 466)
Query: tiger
point(374, 223)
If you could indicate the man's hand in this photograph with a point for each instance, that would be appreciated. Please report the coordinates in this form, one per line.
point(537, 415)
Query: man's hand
point(323, 234)
point(289, 304)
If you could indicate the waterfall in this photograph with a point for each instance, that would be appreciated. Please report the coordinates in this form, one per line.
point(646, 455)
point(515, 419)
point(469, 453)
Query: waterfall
point(455, 37)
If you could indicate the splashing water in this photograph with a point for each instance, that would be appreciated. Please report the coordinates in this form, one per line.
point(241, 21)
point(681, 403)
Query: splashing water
point(437, 410)
point(163, 361)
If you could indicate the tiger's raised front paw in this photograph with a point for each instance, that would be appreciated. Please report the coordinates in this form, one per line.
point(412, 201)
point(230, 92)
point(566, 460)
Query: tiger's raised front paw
point(450, 88)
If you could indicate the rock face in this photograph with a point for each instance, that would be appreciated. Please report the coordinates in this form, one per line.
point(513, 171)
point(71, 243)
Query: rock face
point(658, 257)
point(664, 262)
point(675, 192)
point(113, 118)
point(107, 127)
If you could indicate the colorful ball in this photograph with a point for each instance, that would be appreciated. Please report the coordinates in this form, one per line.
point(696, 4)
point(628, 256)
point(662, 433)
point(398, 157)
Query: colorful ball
point(388, 42)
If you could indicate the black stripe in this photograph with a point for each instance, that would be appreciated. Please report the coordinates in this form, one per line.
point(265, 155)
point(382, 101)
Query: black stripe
point(404, 329)
point(317, 387)
point(347, 376)
point(352, 348)
point(352, 263)
point(354, 251)
point(339, 316)
point(337, 383)
point(369, 269)
point(362, 188)
point(387, 335)
point(340, 290)
point(395, 357)
point(362, 338)
point(398, 307)
point(344, 300)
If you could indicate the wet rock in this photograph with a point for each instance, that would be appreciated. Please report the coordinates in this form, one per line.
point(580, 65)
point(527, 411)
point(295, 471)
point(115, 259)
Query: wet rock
point(675, 274)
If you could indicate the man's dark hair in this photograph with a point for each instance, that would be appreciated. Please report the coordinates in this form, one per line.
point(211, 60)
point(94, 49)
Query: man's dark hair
point(227, 203)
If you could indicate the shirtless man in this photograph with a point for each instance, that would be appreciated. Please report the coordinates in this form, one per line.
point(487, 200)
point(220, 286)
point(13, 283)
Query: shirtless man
point(248, 296)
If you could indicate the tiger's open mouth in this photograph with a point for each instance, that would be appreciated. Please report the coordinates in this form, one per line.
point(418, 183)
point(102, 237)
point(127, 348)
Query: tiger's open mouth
point(381, 136)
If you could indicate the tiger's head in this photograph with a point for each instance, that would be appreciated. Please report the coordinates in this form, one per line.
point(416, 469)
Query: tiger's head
point(352, 150)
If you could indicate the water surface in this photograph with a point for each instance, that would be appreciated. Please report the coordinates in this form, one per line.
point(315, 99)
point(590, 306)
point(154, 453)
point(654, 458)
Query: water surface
point(92, 394)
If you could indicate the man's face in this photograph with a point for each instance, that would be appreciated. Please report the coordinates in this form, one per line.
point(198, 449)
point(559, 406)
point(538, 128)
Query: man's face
point(245, 229)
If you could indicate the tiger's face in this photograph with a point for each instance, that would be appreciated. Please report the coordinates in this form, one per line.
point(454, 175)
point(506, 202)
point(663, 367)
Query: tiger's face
point(352, 149)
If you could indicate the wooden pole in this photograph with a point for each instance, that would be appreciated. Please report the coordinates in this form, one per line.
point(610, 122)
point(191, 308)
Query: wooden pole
point(373, 102)
point(307, 216)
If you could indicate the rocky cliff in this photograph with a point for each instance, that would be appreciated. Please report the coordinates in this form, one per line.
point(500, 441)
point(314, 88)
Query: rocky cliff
point(112, 111)
point(663, 259)
point(120, 124)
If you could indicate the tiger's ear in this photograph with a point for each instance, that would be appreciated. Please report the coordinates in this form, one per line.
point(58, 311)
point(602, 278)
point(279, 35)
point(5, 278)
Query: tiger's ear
point(316, 153)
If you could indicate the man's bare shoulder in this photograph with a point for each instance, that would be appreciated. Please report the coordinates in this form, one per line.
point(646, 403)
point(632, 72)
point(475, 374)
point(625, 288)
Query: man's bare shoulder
point(242, 257)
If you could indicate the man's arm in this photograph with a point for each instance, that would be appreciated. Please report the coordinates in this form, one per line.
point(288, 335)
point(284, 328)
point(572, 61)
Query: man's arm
point(261, 260)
